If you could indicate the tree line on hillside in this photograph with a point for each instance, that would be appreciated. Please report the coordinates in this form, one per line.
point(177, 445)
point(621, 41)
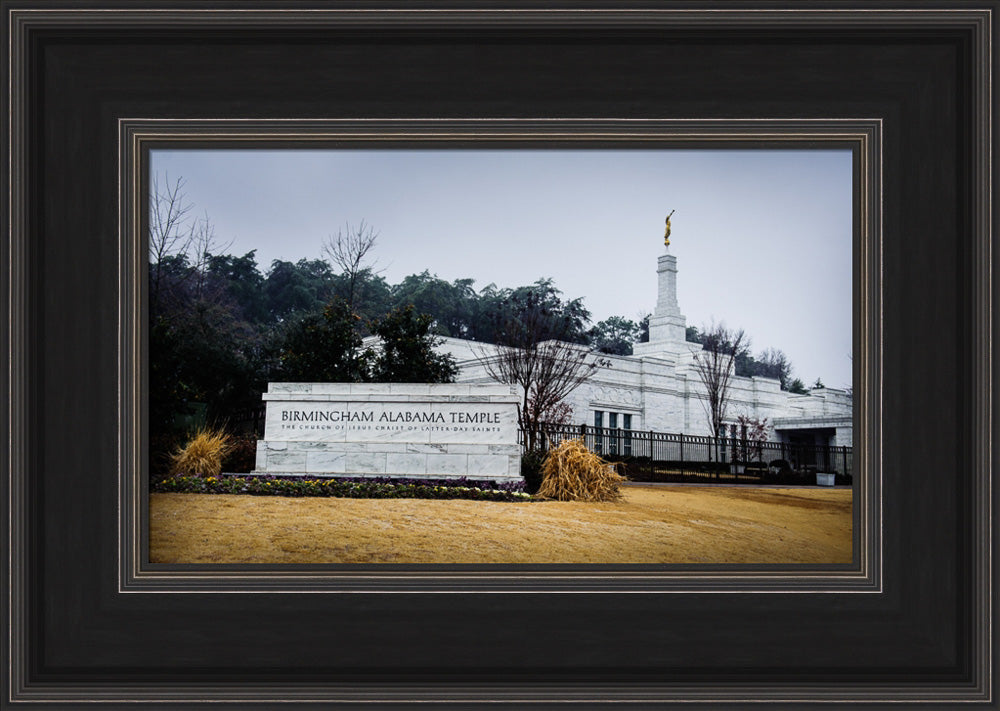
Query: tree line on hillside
point(221, 328)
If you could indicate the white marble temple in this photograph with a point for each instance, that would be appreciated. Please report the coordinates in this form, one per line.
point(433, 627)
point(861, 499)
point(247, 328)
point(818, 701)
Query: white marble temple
point(659, 389)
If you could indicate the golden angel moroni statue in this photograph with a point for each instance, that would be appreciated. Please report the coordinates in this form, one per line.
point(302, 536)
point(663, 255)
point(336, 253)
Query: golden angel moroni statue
point(666, 235)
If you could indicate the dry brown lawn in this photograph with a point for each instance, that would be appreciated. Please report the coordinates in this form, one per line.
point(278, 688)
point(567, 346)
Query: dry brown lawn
point(651, 524)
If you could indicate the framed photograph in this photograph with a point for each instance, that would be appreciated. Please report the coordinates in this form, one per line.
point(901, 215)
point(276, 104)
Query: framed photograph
point(106, 103)
point(633, 401)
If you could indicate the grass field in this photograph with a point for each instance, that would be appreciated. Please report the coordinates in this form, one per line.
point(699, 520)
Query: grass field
point(651, 524)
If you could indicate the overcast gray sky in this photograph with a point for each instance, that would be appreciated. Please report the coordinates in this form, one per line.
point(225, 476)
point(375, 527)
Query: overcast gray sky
point(762, 237)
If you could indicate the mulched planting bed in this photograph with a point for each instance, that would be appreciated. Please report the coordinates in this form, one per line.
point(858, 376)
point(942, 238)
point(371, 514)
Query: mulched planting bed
point(355, 488)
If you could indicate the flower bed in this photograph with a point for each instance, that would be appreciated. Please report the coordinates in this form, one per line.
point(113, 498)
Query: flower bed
point(375, 488)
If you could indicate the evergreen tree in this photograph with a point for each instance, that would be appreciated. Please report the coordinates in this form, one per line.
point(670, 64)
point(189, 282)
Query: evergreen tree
point(407, 354)
point(450, 305)
point(324, 347)
point(615, 335)
point(243, 284)
point(300, 287)
point(797, 387)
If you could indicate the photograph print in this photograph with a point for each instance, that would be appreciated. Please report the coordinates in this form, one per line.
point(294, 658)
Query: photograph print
point(500, 356)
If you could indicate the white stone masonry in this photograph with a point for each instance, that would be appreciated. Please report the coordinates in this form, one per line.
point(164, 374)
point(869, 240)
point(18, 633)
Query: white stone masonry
point(389, 429)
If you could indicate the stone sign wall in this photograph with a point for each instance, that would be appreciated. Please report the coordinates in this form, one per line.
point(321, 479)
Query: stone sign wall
point(390, 429)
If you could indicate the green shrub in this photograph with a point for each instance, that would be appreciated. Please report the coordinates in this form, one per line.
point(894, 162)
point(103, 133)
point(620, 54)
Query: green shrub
point(531, 469)
point(162, 447)
point(242, 454)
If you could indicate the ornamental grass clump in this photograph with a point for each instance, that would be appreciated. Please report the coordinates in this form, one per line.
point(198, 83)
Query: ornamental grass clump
point(202, 456)
point(571, 472)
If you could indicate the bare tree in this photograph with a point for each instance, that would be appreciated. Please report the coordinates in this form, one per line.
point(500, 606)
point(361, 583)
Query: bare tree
point(753, 433)
point(203, 246)
point(347, 250)
point(715, 367)
point(169, 231)
point(176, 238)
point(545, 371)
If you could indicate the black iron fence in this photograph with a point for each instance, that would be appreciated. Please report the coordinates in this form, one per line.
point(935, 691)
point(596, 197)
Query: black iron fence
point(248, 420)
point(662, 456)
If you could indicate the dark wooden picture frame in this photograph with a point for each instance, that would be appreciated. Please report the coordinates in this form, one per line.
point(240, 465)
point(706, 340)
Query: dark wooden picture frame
point(89, 621)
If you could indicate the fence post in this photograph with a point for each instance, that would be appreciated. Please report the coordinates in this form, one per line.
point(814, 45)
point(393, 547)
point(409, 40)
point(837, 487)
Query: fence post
point(682, 454)
point(718, 455)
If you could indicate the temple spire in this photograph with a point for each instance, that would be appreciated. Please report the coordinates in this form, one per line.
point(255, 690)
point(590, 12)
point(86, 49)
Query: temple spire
point(667, 325)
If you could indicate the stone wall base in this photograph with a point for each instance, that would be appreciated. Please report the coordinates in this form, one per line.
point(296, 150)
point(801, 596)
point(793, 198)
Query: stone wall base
point(499, 462)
